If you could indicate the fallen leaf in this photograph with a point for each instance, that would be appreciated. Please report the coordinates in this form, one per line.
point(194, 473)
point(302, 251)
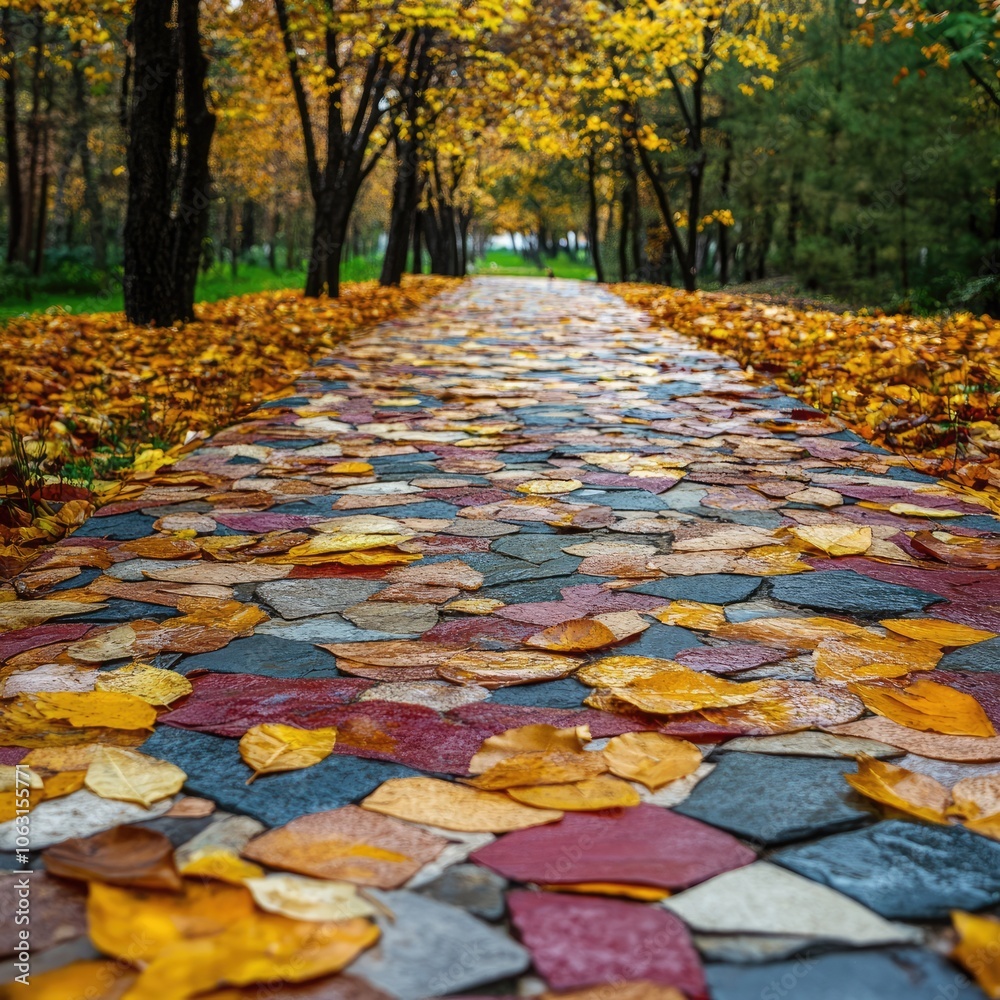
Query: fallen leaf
point(272, 746)
point(220, 863)
point(496, 669)
point(978, 949)
point(109, 709)
point(451, 806)
point(124, 855)
point(977, 797)
point(152, 684)
point(130, 776)
point(304, 898)
point(534, 738)
point(578, 635)
point(938, 631)
point(836, 539)
point(927, 706)
point(540, 768)
point(692, 614)
point(602, 792)
point(652, 759)
point(915, 794)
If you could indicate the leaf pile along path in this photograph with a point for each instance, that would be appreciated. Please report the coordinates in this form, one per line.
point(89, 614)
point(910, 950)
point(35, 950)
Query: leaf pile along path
point(524, 647)
point(924, 386)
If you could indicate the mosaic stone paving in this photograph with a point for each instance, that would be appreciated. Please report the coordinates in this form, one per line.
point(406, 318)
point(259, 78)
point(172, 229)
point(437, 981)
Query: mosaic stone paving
point(520, 649)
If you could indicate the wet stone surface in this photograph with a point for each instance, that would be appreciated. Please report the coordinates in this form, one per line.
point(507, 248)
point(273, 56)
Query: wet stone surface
point(381, 556)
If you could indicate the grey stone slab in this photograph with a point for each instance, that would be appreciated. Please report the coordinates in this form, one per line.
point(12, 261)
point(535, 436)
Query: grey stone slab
point(565, 693)
point(775, 800)
point(470, 887)
point(322, 628)
point(79, 814)
point(532, 590)
point(537, 549)
point(660, 641)
point(749, 948)
point(304, 598)
point(267, 655)
point(177, 829)
point(122, 527)
point(947, 772)
point(981, 657)
point(710, 588)
point(118, 610)
point(905, 871)
point(764, 899)
point(892, 974)
point(809, 744)
point(845, 590)
point(215, 770)
point(394, 617)
point(431, 949)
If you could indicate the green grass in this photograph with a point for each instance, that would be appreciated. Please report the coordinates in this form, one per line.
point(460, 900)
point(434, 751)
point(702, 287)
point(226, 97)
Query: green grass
point(217, 283)
point(507, 262)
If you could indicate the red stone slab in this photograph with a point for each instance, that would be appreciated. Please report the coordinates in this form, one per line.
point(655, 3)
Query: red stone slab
point(379, 730)
point(229, 704)
point(496, 718)
point(728, 659)
point(578, 941)
point(259, 523)
point(643, 845)
point(470, 630)
point(12, 643)
point(953, 584)
point(12, 755)
point(652, 484)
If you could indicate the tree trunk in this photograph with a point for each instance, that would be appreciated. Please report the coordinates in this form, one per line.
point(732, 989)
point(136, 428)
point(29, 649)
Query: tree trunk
point(592, 220)
point(91, 195)
point(623, 271)
point(163, 247)
point(401, 218)
point(417, 264)
point(15, 193)
point(232, 239)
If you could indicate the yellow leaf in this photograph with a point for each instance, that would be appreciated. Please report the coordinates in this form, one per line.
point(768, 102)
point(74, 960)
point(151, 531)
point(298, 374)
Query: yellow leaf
point(452, 806)
point(652, 759)
point(644, 893)
point(579, 635)
point(938, 631)
point(927, 706)
point(549, 487)
point(908, 791)
point(835, 539)
point(137, 924)
point(130, 776)
point(261, 947)
point(538, 737)
point(978, 949)
point(540, 768)
point(222, 864)
point(110, 709)
point(602, 792)
point(304, 898)
point(152, 684)
point(685, 690)
point(272, 746)
point(692, 614)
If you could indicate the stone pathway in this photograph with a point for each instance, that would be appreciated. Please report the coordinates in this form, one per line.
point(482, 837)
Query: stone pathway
point(520, 507)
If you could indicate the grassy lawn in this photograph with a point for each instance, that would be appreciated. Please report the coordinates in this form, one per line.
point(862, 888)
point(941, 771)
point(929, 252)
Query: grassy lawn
point(507, 262)
point(213, 285)
point(219, 283)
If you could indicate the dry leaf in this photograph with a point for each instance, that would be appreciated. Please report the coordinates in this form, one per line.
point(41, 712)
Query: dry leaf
point(304, 898)
point(602, 792)
point(927, 706)
point(652, 759)
point(540, 768)
point(536, 738)
point(452, 806)
point(496, 669)
point(836, 539)
point(938, 631)
point(151, 684)
point(579, 635)
point(130, 776)
point(978, 949)
point(692, 614)
point(220, 863)
point(908, 791)
point(272, 746)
